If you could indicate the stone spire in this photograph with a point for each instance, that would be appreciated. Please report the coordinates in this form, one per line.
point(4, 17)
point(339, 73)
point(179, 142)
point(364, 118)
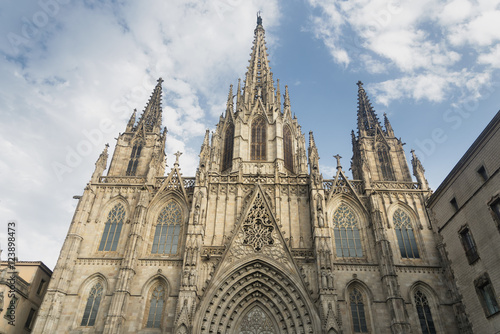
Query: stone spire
point(367, 119)
point(418, 171)
point(131, 122)
point(100, 164)
point(229, 104)
point(151, 116)
point(259, 79)
point(286, 103)
point(388, 127)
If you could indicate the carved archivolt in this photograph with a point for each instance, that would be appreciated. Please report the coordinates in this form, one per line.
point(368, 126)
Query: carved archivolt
point(256, 283)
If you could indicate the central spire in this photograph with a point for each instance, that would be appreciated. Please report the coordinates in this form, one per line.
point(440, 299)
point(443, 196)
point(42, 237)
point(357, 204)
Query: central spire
point(367, 119)
point(259, 84)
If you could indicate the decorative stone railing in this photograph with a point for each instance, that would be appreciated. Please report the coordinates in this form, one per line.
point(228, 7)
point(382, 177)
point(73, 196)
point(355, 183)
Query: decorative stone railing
point(392, 185)
point(122, 179)
point(342, 187)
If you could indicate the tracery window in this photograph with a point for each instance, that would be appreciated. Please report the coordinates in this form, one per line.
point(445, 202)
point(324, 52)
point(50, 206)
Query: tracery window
point(385, 164)
point(93, 301)
point(156, 307)
point(256, 322)
point(358, 311)
point(287, 148)
point(112, 228)
point(424, 313)
point(227, 159)
point(346, 233)
point(258, 144)
point(405, 235)
point(167, 230)
point(134, 159)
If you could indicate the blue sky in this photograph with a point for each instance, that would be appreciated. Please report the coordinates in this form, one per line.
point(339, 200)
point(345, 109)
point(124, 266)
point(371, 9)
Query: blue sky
point(72, 72)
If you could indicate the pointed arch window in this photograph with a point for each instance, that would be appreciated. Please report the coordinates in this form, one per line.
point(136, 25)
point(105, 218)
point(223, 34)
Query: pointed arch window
point(227, 159)
point(134, 159)
point(258, 144)
point(156, 303)
point(167, 230)
point(346, 233)
point(384, 163)
point(112, 228)
point(358, 311)
point(92, 306)
point(424, 313)
point(287, 148)
point(405, 235)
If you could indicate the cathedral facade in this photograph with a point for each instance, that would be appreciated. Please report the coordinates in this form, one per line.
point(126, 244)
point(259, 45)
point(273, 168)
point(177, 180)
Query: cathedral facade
point(257, 241)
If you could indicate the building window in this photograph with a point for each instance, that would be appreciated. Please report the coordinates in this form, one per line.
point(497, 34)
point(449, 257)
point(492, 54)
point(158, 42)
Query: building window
point(424, 313)
point(385, 164)
point(227, 159)
point(469, 245)
point(112, 228)
point(486, 295)
point(495, 209)
point(40, 287)
point(29, 321)
point(405, 235)
point(454, 204)
point(346, 233)
point(156, 307)
point(258, 146)
point(90, 313)
point(287, 148)
point(482, 172)
point(167, 230)
point(358, 311)
point(134, 159)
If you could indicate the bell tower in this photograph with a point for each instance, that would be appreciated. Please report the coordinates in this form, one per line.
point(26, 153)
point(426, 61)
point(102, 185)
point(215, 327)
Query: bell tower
point(140, 150)
point(377, 154)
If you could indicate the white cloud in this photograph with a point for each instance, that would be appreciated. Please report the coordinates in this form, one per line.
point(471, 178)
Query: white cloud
point(422, 43)
point(95, 61)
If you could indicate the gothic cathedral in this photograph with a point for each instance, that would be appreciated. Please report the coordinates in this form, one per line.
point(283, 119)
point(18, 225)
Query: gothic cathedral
point(257, 242)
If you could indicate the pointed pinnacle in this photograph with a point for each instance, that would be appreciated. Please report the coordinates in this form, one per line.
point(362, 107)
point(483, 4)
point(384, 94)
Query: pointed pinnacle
point(287, 97)
point(230, 96)
point(311, 139)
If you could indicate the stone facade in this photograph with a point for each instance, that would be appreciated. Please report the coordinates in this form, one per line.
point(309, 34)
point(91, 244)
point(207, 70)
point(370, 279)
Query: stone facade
point(466, 211)
point(31, 281)
point(257, 241)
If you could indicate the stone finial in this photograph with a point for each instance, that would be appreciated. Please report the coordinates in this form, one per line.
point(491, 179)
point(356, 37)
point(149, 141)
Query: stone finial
point(338, 157)
point(177, 155)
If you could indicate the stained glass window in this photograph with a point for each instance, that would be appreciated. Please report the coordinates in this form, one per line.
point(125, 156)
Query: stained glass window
point(405, 235)
point(358, 311)
point(90, 313)
point(134, 159)
point(385, 164)
point(424, 313)
point(287, 148)
point(167, 230)
point(346, 233)
point(258, 146)
point(227, 159)
point(156, 307)
point(112, 228)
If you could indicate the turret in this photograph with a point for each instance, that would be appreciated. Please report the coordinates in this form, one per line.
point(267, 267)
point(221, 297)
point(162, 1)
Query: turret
point(140, 151)
point(377, 154)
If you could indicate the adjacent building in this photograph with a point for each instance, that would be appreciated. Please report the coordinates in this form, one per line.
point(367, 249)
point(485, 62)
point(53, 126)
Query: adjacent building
point(465, 210)
point(31, 280)
point(257, 241)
